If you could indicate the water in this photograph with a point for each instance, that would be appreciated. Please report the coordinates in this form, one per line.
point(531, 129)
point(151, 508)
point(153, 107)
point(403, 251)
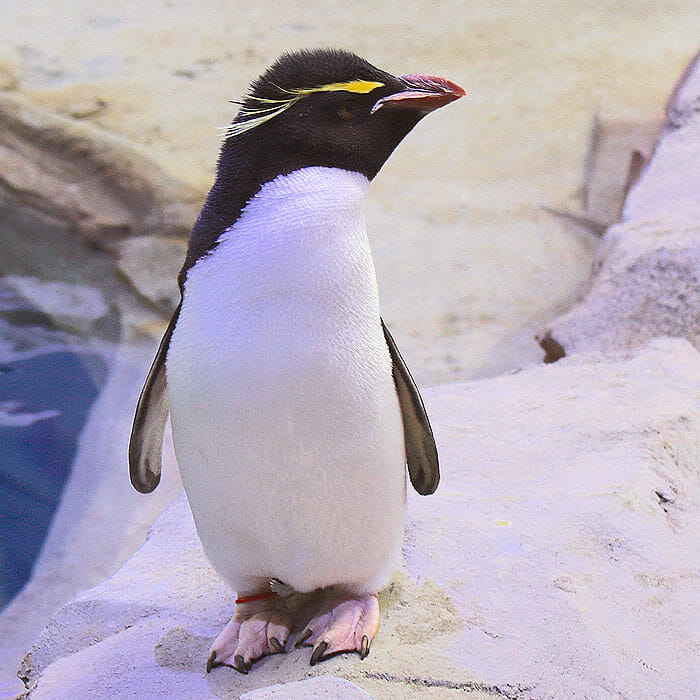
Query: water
point(44, 402)
point(56, 333)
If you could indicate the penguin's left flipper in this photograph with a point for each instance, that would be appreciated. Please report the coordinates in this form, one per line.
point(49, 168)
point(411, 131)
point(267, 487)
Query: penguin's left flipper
point(421, 451)
point(146, 442)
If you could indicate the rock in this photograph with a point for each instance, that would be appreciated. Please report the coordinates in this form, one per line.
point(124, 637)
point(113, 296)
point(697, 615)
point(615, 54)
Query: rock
point(617, 150)
point(320, 688)
point(646, 274)
point(611, 154)
point(8, 79)
point(88, 107)
point(70, 306)
point(88, 181)
point(558, 559)
point(152, 264)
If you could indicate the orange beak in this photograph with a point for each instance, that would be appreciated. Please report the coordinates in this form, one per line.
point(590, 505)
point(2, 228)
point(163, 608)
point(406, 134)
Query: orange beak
point(424, 93)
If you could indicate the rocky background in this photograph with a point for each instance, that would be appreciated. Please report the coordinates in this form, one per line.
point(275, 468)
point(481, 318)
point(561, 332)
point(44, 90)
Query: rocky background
point(558, 558)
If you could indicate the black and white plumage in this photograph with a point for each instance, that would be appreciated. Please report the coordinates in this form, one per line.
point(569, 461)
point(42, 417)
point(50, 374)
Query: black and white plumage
point(292, 411)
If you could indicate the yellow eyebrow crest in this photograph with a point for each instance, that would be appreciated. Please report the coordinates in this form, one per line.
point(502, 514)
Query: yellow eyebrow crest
point(269, 108)
point(359, 87)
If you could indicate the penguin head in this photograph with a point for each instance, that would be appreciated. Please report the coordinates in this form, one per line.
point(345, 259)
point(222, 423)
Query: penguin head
point(330, 108)
point(325, 108)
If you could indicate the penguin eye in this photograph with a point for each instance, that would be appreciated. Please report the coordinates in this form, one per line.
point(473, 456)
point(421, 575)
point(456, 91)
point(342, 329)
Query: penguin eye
point(348, 109)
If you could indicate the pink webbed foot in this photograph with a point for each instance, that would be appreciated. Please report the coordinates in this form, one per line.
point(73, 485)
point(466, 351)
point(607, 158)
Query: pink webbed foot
point(346, 624)
point(259, 628)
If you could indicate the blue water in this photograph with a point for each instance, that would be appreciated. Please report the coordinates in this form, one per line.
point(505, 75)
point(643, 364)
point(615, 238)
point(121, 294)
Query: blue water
point(51, 371)
point(45, 400)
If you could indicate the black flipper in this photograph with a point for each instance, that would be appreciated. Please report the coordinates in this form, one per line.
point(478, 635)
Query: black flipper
point(146, 443)
point(421, 452)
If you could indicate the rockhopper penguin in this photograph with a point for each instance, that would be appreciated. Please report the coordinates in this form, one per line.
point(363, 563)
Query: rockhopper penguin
point(292, 411)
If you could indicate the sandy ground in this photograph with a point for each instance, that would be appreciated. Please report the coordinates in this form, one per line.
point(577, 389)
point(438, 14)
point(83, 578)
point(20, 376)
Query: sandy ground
point(468, 262)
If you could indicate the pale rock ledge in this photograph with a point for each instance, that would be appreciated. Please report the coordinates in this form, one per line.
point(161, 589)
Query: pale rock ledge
point(646, 275)
point(558, 559)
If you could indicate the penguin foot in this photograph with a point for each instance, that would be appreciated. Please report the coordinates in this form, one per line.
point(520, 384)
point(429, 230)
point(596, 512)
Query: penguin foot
point(259, 628)
point(345, 624)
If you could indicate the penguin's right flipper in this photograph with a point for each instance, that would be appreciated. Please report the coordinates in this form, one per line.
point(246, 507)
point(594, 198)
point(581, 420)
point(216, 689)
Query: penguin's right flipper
point(146, 443)
point(421, 452)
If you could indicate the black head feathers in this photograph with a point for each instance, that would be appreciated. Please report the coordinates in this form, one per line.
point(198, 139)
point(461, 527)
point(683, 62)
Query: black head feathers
point(296, 76)
point(326, 108)
point(310, 69)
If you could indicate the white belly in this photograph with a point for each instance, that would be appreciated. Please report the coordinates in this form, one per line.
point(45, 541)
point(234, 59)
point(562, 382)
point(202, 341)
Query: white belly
point(285, 419)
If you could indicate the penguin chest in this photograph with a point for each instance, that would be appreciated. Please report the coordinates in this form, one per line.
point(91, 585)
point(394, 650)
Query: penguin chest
point(284, 312)
point(283, 405)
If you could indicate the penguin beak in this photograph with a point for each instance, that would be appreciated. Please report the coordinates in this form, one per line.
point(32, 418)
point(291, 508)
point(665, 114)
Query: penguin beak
point(423, 93)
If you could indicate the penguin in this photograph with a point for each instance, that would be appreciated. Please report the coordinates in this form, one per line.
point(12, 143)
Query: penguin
point(292, 412)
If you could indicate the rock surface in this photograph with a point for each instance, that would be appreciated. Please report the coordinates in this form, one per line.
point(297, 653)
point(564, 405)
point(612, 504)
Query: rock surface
point(89, 181)
point(558, 559)
point(647, 270)
point(319, 688)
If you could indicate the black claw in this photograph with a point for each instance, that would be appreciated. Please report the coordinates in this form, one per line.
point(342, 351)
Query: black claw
point(319, 651)
point(211, 662)
point(277, 648)
point(240, 665)
point(364, 647)
point(303, 638)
